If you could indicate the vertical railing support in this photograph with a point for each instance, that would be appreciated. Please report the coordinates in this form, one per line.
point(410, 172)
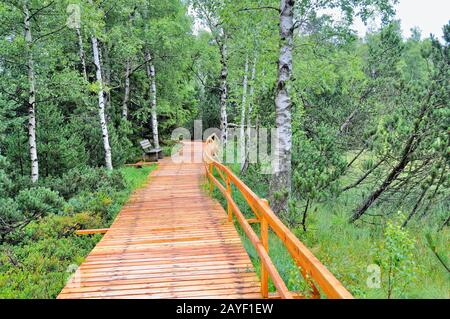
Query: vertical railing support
point(265, 241)
point(211, 184)
point(229, 209)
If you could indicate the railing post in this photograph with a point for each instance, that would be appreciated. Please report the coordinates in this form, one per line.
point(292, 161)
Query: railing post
point(211, 184)
point(229, 209)
point(265, 241)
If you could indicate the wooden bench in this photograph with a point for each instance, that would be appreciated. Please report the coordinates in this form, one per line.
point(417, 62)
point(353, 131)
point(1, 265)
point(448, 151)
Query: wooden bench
point(150, 153)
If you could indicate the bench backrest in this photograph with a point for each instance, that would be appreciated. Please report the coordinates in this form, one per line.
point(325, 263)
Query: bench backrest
point(145, 144)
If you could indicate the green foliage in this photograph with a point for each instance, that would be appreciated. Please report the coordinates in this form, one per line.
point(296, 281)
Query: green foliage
point(38, 201)
point(397, 259)
point(85, 179)
point(28, 205)
point(59, 149)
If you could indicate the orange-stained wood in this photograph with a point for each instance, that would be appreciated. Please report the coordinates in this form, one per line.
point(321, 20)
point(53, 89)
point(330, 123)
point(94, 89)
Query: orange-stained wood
point(264, 233)
point(91, 231)
point(310, 267)
point(171, 240)
point(140, 164)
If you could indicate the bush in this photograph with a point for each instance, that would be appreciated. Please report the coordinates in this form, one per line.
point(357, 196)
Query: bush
point(5, 181)
point(38, 201)
point(396, 258)
point(56, 226)
point(29, 204)
point(10, 214)
point(86, 179)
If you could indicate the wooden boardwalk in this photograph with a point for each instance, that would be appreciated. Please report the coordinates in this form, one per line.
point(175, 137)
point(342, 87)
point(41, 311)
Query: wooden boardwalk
point(171, 240)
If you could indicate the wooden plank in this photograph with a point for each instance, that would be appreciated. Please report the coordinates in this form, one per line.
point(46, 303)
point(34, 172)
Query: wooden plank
point(91, 231)
point(170, 240)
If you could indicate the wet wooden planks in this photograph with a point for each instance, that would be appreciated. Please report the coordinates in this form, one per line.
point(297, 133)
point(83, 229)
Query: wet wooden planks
point(171, 240)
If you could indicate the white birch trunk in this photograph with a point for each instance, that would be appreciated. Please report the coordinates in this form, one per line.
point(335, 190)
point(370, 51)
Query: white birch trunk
point(152, 77)
point(106, 74)
point(243, 109)
point(281, 178)
point(223, 89)
point(101, 103)
point(126, 96)
point(250, 109)
point(100, 59)
point(81, 52)
point(31, 98)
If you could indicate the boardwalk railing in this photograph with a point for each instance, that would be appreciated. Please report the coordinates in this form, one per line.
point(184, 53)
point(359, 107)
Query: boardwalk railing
point(318, 277)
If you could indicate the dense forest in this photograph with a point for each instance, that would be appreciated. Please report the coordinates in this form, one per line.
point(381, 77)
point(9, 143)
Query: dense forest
point(362, 128)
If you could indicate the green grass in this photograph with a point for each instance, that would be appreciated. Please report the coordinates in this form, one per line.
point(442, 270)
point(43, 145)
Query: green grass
point(136, 177)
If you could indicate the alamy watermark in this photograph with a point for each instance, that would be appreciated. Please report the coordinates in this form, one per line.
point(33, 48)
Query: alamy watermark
point(74, 19)
point(260, 146)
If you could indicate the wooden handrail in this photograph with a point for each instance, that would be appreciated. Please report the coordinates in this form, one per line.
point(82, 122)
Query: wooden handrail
point(91, 231)
point(312, 270)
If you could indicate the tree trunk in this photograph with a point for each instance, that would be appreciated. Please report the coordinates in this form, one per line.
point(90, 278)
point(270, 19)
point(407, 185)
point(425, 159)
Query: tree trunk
point(416, 206)
point(223, 89)
point(81, 50)
point(363, 177)
point(243, 108)
point(305, 215)
point(31, 98)
point(105, 61)
point(281, 178)
point(348, 121)
point(101, 103)
point(411, 143)
point(249, 114)
point(126, 96)
point(395, 172)
point(152, 78)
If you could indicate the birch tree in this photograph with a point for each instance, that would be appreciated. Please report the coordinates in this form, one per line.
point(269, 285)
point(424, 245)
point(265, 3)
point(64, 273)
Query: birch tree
point(101, 100)
point(126, 95)
point(32, 96)
point(81, 52)
point(249, 115)
point(210, 13)
point(281, 178)
point(101, 103)
point(128, 71)
point(223, 86)
point(243, 110)
point(151, 74)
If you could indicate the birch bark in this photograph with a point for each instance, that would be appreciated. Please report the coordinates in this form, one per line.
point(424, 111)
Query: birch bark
point(249, 111)
point(101, 103)
point(243, 109)
point(31, 98)
point(281, 178)
point(81, 52)
point(126, 96)
point(151, 73)
point(223, 89)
